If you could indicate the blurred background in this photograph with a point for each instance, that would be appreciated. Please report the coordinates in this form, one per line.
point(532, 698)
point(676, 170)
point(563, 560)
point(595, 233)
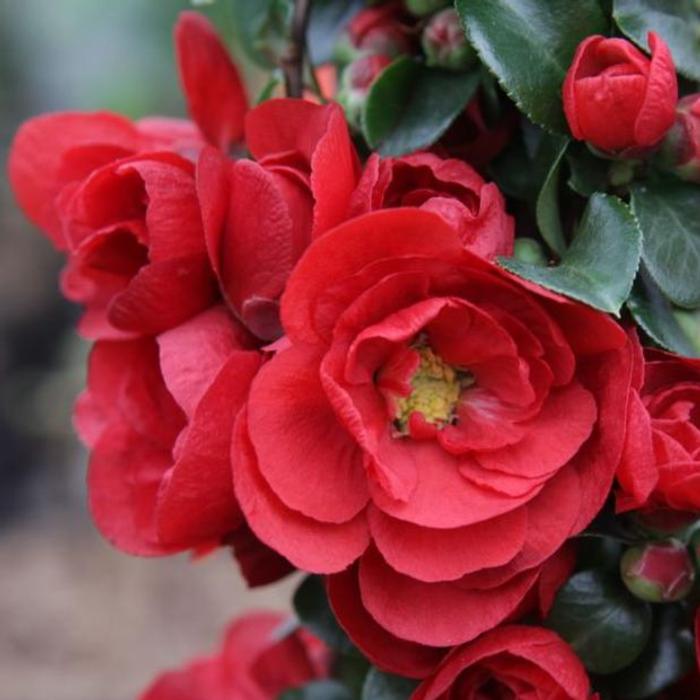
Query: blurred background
point(79, 620)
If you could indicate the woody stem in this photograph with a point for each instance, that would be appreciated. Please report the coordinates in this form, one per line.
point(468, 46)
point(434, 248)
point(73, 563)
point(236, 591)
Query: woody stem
point(293, 61)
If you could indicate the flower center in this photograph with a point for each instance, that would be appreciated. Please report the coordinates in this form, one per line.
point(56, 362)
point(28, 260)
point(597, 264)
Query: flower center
point(435, 391)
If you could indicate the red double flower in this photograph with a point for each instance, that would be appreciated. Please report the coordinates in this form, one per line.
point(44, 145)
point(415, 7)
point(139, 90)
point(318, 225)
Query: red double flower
point(443, 424)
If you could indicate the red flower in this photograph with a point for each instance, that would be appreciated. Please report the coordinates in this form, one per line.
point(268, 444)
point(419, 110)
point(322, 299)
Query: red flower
point(260, 215)
point(448, 187)
point(120, 197)
point(443, 422)
point(661, 465)
point(618, 99)
point(157, 417)
point(510, 662)
point(258, 661)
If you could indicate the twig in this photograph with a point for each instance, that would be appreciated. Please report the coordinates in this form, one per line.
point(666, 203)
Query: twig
point(292, 63)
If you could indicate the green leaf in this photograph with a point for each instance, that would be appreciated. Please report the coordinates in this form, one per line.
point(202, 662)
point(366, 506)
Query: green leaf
point(668, 214)
point(667, 658)
point(601, 263)
point(588, 173)
point(385, 686)
point(677, 22)
point(547, 208)
point(313, 610)
point(652, 311)
point(326, 21)
point(318, 690)
point(410, 106)
point(605, 625)
point(529, 44)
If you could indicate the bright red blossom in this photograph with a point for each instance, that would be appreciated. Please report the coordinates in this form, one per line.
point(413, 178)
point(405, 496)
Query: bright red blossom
point(448, 187)
point(260, 215)
point(661, 465)
point(446, 424)
point(618, 99)
point(509, 662)
point(157, 416)
point(258, 661)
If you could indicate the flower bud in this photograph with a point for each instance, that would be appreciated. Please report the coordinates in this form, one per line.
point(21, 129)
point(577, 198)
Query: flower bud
point(356, 82)
point(618, 99)
point(444, 43)
point(680, 149)
point(376, 30)
point(659, 572)
point(420, 8)
point(530, 251)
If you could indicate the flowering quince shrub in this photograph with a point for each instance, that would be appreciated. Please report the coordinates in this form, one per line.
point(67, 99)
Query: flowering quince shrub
point(422, 321)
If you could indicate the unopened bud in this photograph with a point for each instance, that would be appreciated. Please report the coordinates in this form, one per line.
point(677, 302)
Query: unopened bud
point(659, 572)
point(420, 8)
point(375, 30)
point(530, 251)
point(356, 82)
point(444, 42)
point(680, 149)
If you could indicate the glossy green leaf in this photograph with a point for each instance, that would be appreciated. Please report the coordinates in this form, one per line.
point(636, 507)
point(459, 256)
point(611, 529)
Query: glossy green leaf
point(654, 314)
point(313, 610)
point(385, 686)
point(605, 625)
point(587, 172)
point(529, 44)
point(326, 21)
point(318, 690)
point(667, 657)
point(669, 215)
point(547, 207)
point(677, 22)
point(601, 262)
point(410, 106)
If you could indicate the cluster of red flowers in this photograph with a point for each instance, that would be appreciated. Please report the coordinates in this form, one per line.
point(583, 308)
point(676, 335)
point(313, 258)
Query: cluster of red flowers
point(316, 362)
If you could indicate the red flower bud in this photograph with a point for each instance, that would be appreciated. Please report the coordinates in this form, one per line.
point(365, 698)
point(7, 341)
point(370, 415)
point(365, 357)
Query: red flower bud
point(375, 30)
point(660, 572)
point(444, 43)
point(616, 98)
point(680, 149)
point(355, 84)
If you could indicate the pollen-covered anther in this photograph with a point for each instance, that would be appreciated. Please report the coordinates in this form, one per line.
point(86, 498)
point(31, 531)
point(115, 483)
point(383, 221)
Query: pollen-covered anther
point(435, 391)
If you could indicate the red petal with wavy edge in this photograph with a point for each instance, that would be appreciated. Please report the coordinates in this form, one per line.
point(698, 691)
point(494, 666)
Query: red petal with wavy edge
point(163, 295)
point(303, 452)
point(366, 239)
point(637, 472)
point(213, 88)
point(505, 649)
point(37, 165)
point(551, 438)
point(598, 459)
point(197, 501)
point(124, 475)
point(435, 614)
point(383, 649)
point(658, 111)
point(309, 544)
point(432, 555)
point(192, 354)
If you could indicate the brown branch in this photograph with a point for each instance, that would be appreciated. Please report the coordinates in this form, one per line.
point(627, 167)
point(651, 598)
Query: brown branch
point(292, 62)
